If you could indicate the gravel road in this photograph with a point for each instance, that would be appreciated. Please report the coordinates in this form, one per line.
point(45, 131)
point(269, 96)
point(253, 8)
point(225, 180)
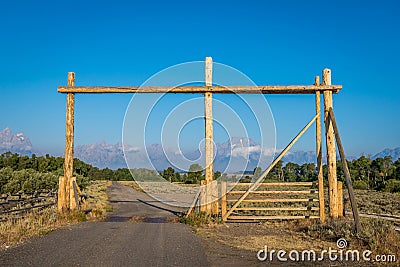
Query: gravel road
point(152, 240)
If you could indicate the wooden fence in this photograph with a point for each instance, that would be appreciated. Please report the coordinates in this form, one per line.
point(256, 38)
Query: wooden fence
point(16, 206)
point(272, 201)
point(269, 201)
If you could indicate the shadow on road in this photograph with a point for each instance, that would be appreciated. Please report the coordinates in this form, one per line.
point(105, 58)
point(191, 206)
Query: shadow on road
point(159, 207)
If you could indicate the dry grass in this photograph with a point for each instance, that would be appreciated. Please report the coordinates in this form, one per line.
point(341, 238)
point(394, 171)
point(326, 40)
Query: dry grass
point(186, 185)
point(132, 184)
point(36, 224)
point(20, 230)
point(378, 236)
point(370, 201)
point(253, 236)
point(97, 200)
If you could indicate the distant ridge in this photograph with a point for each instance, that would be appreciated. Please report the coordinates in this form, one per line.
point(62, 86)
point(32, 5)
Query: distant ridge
point(394, 153)
point(234, 150)
point(16, 143)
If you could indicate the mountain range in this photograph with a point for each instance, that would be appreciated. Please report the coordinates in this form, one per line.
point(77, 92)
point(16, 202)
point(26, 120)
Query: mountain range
point(16, 143)
point(236, 154)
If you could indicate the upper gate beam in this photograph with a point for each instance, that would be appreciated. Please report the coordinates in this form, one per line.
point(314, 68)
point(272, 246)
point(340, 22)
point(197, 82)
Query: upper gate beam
point(262, 89)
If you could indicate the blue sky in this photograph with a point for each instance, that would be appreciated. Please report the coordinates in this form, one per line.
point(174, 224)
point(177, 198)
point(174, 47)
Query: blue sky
point(126, 42)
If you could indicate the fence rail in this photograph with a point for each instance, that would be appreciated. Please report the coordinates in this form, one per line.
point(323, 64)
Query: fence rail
point(298, 200)
point(16, 206)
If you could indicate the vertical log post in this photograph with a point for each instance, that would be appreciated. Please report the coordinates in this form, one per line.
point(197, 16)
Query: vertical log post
point(214, 197)
point(346, 171)
point(319, 153)
point(330, 146)
point(65, 183)
point(340, 198)
point(73, 195)
point(61, 201)
point(209, 171)
point(223, 198)
point(202, 196)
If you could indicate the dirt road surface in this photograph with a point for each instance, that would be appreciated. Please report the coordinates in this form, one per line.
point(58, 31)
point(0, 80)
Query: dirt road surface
point(153, 239)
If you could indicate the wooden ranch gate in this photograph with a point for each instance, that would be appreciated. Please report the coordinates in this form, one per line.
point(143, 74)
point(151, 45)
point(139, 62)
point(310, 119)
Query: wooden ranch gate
point(67, 194)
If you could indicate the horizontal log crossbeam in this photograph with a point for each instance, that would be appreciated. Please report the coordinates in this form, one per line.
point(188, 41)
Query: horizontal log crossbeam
point(273, 184)
point(262, 89)
point(278, 208)
point(275, 192)
point(274, 200)
point(254, 218)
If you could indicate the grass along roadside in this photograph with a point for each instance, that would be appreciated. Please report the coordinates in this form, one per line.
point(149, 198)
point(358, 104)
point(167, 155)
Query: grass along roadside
point(132, 184)
point(36, 224)
point(378, 236)
point(97, 200)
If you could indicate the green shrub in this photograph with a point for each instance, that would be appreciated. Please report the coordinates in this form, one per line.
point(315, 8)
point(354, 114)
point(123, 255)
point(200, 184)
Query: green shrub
point(26, 180)
point(5, 176)
point(360, 185)
point(82, 181)
point(392, 186)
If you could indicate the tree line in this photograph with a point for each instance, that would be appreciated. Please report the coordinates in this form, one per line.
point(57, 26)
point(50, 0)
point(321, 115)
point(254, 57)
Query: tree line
point(382, 174)
point(30, 173)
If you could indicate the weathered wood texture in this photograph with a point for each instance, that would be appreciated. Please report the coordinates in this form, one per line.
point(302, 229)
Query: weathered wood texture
point(340, 198)
point(209, 146)
point(273, 200)
point(318, 139)
point(214, 197)
point(74, 196)
point(273, 184)
point(223, 198)
point(278, 208)
point(263, 175)
point(346, 171)
point(255, 218)
point(208, 71)
point(275, 192)
point(262, 89)
point(203, 196)
point(330, 146)
point(65, 183)
point(61, 195)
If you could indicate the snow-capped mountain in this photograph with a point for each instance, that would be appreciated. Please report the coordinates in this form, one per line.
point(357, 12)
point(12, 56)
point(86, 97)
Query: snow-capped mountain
point(15, 143)
point(236, 154)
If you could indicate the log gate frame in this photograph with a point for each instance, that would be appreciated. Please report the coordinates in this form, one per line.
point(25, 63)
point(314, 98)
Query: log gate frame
point(68, 190)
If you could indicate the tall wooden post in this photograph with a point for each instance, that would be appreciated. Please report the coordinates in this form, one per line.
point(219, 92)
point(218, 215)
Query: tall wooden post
point(346, 173)
point(66, 181)
point(330, 147)
point(319, 152)
point(209, 147)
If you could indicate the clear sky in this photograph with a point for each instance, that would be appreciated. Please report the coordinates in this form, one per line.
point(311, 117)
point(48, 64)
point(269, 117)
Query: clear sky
point(272, 42)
